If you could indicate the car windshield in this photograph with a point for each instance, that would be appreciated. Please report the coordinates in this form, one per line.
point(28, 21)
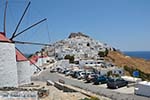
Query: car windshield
point(83, 73)
point(101, 76)
point(111, 80)
point(119, 80)
point(88, 73)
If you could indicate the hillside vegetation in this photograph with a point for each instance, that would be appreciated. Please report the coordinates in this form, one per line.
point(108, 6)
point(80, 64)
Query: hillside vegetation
point(135, 63)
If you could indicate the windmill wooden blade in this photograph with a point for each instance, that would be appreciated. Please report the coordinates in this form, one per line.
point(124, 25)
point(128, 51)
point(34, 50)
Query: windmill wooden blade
point(20, 21)
point(29, 28)
point(5, 16)
point(32, 43)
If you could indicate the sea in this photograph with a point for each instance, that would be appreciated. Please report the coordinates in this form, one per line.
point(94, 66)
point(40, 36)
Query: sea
point(138, 54)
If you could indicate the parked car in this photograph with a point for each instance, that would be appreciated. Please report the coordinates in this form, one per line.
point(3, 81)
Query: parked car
point(87, 74)
point(71, 73)
point(116, 83)
point(91, 78)
point(59, 70)
point(67, 72)
point(100, 80)
point(75, 74)
point(81, 75)
point(53, 71)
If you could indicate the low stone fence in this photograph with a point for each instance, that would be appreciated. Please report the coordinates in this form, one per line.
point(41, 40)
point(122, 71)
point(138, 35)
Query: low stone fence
point(63, 87)
point(68, 88)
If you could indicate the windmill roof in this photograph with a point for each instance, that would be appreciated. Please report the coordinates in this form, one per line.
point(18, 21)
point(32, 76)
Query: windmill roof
point(19, 55)
point(3, 38)
point(34, 59)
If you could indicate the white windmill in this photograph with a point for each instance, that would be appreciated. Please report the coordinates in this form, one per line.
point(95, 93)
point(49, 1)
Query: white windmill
point(15, 68)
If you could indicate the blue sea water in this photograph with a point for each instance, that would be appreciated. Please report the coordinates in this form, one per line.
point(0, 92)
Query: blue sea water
point(139, 54)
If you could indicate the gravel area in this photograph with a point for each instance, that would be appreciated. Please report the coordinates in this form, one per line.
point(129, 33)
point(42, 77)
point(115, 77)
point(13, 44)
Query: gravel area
point(55, 94)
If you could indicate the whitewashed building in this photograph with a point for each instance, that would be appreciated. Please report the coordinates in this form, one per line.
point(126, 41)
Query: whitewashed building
point(92, 63)
point(8, 65)
point(14, 67)
point(23, 69)
point(43, 60)
point(63, 64)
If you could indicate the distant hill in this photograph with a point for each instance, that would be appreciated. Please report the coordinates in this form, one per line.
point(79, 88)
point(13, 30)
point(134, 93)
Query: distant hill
point(80, 45)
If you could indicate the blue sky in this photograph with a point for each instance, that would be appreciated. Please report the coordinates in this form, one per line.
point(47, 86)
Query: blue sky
point(124, 24)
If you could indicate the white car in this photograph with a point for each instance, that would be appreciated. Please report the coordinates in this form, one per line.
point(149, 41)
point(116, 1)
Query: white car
point(81, 75)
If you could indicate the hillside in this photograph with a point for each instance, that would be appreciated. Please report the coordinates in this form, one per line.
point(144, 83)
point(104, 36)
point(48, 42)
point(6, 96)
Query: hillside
point(79, 45)
point(82, 46)
point(123, 60)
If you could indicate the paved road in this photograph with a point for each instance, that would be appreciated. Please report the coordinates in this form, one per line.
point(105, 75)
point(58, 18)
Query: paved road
point(46, 75)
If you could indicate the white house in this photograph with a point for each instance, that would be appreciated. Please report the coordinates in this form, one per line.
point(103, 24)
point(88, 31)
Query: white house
point(93, 63)
point(42, 60)
point(63, 64)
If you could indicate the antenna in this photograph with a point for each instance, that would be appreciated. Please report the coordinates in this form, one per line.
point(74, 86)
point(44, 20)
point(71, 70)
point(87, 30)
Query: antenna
point(20, 21)
point(5, 16)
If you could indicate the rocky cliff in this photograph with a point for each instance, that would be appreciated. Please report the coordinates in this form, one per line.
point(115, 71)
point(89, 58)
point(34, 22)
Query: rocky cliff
point(78, 34)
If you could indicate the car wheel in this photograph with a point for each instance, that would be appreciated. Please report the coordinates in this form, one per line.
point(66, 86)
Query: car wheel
point(116, 87)
point(97, 83)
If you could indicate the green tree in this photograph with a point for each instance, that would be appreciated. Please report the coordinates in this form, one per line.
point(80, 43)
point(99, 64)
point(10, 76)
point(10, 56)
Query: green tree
point(109, 73)
point(106, 52)
point(91, 98)
point(71, 58)
point(101, 53)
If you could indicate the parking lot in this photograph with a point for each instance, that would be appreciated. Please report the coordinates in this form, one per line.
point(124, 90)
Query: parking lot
point(126, 90)
point(115, 94)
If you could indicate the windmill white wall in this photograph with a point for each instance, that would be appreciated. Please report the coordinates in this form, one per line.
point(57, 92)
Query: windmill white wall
point(24, 72)
point(8, 67)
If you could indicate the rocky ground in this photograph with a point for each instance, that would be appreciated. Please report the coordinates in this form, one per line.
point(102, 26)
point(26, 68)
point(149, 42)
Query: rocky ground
point(56, 94)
